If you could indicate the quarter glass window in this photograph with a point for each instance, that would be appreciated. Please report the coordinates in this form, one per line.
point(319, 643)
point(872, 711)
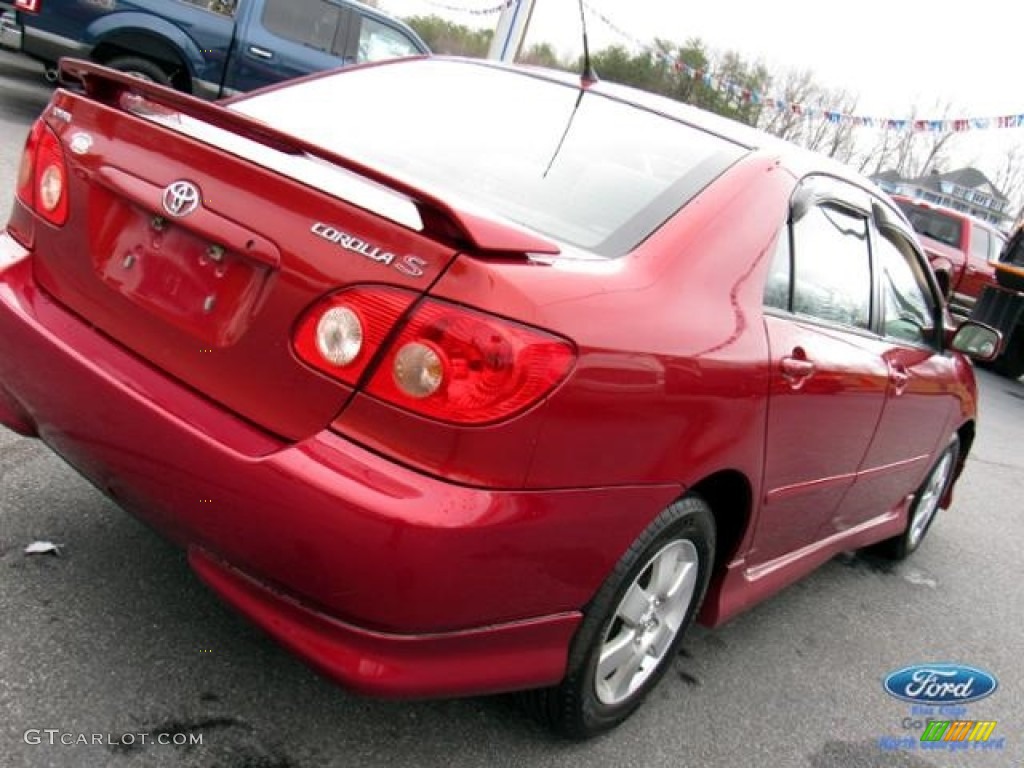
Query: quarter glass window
point(907, 312)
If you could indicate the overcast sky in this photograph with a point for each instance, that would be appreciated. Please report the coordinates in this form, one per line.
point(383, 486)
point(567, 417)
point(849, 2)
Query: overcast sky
point(895, 55)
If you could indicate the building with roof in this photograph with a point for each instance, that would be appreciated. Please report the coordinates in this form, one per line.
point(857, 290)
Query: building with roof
point(967, 190)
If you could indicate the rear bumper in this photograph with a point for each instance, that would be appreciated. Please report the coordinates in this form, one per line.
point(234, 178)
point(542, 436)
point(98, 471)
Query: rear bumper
point(513, 656)
point(390, 581)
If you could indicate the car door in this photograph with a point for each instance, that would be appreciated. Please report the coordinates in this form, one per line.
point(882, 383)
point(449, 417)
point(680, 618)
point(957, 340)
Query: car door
point(828, 380)
point(921, 400)
point(978, 269)
point(287, 39)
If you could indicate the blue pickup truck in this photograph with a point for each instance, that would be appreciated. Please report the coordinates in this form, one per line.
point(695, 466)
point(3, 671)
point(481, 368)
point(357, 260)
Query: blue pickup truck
point(211, 48)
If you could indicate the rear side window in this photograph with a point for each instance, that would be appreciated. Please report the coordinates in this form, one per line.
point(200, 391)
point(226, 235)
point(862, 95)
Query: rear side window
point(934, 224)
point(996, 244)
point(378, 41)
point(832, 267)
point(579, 167)
point(223, 7)
point(981, 243)
point(311, 23)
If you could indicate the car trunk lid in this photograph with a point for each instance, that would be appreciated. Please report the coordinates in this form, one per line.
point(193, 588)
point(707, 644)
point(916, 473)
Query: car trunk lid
point(197, 238)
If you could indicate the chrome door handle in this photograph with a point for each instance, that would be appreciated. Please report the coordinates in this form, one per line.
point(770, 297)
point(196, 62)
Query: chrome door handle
point(796, 370)
point(900, 378)
point(261, 53)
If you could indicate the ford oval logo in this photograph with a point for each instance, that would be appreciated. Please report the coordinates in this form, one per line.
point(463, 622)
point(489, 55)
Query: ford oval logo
point(181, 198)
point(940, 684)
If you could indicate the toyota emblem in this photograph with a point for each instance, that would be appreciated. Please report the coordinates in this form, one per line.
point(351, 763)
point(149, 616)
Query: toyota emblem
point(181, 198)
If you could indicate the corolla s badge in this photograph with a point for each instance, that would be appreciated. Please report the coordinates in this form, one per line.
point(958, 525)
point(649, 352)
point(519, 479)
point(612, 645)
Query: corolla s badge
point(940, 684)
point(413, 266)
point(181, 198)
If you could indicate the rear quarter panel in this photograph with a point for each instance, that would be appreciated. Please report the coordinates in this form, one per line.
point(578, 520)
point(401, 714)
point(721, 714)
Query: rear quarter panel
point(671, 383)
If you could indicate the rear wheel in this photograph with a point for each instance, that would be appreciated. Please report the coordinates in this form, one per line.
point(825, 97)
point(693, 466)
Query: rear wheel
point(144, 69)
point(632, 629)
point(924, 507)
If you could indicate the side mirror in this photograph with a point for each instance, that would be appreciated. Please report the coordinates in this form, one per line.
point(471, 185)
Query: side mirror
point(977, 340)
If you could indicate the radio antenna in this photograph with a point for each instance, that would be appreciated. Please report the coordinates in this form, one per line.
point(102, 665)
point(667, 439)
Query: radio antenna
point(589, 75)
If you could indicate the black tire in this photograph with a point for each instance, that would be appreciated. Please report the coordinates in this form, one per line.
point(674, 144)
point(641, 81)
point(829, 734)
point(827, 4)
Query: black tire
point(924, 508)
point(144, 69)
point(680, 543)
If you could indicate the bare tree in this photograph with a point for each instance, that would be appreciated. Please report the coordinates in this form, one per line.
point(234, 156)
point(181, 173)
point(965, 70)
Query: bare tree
point(843, 143)
point(1010, 178)
point(802, 117)
point(936, 154)
point(892, 148)
point(906, 139)
point(789, 122)
point(833, 136)
point(881, 153)
point(933, 146)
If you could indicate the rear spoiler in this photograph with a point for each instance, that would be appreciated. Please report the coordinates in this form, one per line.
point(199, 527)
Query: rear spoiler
point(440, 218)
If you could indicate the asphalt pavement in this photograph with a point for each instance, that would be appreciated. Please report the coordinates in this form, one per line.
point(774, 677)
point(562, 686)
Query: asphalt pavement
point(115, 643)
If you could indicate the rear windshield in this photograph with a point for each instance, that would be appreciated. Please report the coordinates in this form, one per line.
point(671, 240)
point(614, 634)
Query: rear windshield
point(578, 167)
point(934, 224)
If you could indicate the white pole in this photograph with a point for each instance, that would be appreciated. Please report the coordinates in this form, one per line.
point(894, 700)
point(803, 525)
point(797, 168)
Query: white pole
point(511, 30)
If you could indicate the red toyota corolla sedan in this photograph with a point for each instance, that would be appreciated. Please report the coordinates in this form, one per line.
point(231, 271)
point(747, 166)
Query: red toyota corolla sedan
point(458, 378)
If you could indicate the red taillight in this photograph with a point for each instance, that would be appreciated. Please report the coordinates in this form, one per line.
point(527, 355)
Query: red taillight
point(43, 175)
point(341, 335)
point(447, 362)
point(28, 6)
point(51, 176)
point(26, 173)
point(458, 365)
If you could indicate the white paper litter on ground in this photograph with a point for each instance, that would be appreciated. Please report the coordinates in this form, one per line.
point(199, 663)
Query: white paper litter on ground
point(43, 548)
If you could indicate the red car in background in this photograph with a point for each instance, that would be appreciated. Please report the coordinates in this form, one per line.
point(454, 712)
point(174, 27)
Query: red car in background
point(961, 249)
point(459, 378)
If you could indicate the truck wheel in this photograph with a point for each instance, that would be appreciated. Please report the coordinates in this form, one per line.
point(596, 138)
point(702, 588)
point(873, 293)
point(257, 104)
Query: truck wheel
point(1011, 362)
point(144, 69)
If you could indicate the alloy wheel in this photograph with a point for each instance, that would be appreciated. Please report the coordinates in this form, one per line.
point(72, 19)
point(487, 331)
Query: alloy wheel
point(928, 502)
point(646, 621)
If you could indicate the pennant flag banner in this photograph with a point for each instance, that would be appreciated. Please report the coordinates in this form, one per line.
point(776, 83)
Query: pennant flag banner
point(814, 113)
point(473, 11)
